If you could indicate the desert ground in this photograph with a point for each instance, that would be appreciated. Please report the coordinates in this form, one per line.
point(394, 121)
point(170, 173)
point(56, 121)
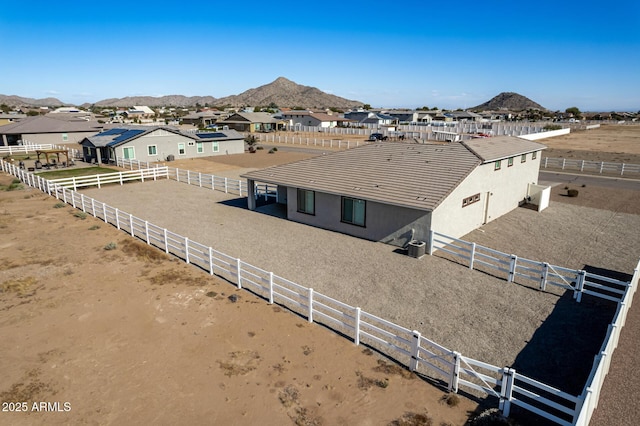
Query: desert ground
point(110, 333)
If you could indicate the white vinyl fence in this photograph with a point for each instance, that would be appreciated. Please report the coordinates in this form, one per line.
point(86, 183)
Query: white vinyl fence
point(590, 166)
point(408, 347)
point(107, 178)
point(518, 269)
point(303, 141)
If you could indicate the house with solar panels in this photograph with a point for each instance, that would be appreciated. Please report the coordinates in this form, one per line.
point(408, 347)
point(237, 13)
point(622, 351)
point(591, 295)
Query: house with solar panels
point(161, 143)
point(397, 192)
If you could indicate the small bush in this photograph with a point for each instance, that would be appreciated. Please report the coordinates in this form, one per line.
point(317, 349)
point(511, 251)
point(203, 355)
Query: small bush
point(94, 227)
point(572, 192)
point(273, 150)
point(111, 246)
point(451, 399)
point(80, 215)
point(260, 147)
point(59, 205)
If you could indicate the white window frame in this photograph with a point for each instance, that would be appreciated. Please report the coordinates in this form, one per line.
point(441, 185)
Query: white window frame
point(127, 148)
point(182, 147)
point(534, 155)
point(155, 149)
point(65, 137)
point(199, 147)
point(215, 146)
point(523, 158)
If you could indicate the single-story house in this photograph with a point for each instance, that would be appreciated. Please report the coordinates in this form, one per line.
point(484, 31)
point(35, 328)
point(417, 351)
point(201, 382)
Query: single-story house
point(204, 118)
point(312, 119)
point(161, 143)
point(47, 130)
point(140, 111)
point(253, 122)
point(404, 116)
point(370, 117)
point(10, 118)
point(397, 192)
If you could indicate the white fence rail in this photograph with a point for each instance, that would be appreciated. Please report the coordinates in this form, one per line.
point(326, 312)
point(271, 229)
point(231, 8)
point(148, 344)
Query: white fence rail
point(590, 166)
point(23, 149)
point(406, 346)
point(516, 269)
point(107, 178)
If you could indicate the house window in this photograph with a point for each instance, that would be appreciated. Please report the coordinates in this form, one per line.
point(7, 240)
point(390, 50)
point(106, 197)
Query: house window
point(498, 165)
point(216, 147)
point(470, 200)
point(523, 158)
point(152, 149)
point(353, 211)
point(200, 147)
point(534, 155)
point(510, 162)
point(128, 153)
point(181, 150)
point(306, 201)
point(65, 137)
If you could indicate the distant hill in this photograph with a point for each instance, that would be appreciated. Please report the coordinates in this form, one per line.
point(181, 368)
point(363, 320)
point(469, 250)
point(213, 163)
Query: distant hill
point(169, 100)
point(286, 93)
point(14, 101)
point(508, 101)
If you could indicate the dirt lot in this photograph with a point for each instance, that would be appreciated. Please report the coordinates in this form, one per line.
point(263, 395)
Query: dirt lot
point(129, 336)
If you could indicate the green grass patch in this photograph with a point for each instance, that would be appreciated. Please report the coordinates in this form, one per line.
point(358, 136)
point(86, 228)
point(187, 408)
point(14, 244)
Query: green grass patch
point(15, 185)
point(76, 172)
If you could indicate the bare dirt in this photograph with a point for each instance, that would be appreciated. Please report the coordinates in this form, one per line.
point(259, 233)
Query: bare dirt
point(109, 331)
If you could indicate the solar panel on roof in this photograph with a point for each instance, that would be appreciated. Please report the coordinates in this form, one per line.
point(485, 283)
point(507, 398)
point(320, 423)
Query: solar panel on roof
point(210, 135)
point(128, 134)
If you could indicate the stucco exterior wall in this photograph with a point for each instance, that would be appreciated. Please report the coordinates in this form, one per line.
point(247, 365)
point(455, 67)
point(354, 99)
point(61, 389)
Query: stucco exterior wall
point(58, 138)
point(500, 192)
point(389, 224)
point(167, 143)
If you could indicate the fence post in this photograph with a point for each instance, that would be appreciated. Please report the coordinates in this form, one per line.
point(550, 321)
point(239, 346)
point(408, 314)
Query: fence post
point(188, 177)
point(415, 351)
point(506, 391)
point(166, 241)
point(545, 274)
point(186, 250)
point(455, 373)
point(356, 327)
point(225, 186)
point(131, 224)
point(310, 313)
point(582, 166)
point(238, 271)
point(622, 170)
point(513, 263)
point(431, 242)
point(146, 230)
point(104, 211)
point(271, 288)
point(177, 174)
point(200, 179)
point(210, 261)
point(580, 285)
point(472, 255)
point(564, 160)
point(601, 166)
point(73, 199)
point(117, 220)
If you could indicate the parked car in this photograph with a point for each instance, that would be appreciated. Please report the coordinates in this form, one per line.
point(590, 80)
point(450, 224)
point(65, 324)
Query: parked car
point(377, 137)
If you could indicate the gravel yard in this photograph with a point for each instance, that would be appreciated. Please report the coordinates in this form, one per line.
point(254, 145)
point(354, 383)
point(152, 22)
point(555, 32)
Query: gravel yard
point(477, 314)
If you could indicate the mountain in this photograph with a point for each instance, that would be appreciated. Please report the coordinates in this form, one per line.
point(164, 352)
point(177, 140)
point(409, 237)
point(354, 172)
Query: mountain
point(170, 100)
point(13, 101)
point(286, 93)
point(508, 101)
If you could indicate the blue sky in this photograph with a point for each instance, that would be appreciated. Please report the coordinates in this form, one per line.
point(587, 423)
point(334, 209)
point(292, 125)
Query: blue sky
point(387, 54)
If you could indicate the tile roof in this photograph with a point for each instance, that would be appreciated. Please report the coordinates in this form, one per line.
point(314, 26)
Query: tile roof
point(500, 147)
point(410, 175)
point(41, 124)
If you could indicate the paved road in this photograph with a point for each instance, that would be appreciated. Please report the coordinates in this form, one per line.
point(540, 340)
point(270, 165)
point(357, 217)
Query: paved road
point(556, 178)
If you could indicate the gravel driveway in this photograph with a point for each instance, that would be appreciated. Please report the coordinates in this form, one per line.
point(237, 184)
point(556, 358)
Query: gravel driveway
point(477, 314)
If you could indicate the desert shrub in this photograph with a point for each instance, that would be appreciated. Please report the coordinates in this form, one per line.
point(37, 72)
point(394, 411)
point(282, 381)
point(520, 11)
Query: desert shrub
point(451, 399)
point(111, 246)
point(80, 215)
point(94, 227)
point(59, 205)
point(273, 150)
point(572, 192)
point(260, 147)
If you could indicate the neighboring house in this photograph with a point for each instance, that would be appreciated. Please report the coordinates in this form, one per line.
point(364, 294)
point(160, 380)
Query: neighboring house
point(463, 116)
point(10, 118)
point(396, 192)
point(253, 122)
point(371, 117)
point(158, 144)
point(404, 116)
point(47, 130)
point(204, 118)
point(312, 119)
point(140, 111)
